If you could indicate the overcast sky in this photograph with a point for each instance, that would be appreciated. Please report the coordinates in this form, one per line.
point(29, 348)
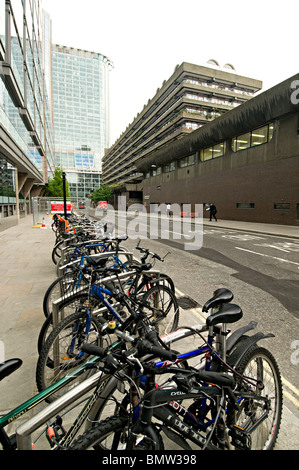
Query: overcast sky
point(145, 40)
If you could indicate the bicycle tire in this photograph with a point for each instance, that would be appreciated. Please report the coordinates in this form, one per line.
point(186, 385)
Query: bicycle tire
point(116, 428)
point(63, 285)
point(259, 364)
point(163, 312)
point(70, 332)
point(66, 308)
point(56, 252)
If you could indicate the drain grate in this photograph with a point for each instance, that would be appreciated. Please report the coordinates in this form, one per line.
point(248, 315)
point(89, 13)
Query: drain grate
point(186, 303)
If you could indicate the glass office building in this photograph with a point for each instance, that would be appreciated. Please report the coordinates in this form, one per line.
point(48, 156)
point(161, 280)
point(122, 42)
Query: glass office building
point(81, 121)
point(26, 137)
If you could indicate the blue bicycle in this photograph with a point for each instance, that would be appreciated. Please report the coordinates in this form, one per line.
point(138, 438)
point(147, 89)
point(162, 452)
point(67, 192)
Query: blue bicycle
point(62, 349)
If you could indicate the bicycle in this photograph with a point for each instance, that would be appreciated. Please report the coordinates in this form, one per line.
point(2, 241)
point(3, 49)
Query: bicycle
point(241, 353)
point(73, 271)
point(234, 408)
point(73, 386)
point(62, 349)
point(137, 283)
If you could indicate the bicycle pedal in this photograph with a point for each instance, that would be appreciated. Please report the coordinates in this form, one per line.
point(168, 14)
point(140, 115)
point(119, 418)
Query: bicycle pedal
point(240, 438)
point(55, 432)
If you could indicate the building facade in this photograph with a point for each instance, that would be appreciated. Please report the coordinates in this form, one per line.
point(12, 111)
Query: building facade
point(246, 162)
point(26, 137)
point(80, 84)
point(192, 97)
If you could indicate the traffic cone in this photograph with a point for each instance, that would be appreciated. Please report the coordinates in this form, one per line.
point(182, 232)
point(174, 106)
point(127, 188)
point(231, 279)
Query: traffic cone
point(44, 223)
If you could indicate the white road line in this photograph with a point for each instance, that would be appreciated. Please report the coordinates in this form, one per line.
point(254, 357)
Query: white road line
point(267, 256)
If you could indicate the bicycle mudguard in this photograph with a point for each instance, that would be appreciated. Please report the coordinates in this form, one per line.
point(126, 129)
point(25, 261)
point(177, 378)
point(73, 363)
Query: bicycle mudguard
point(235, 358)
point(234, 338)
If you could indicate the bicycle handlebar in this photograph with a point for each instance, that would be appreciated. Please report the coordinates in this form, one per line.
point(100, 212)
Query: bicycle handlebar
point(147, 253)
point(143, 346)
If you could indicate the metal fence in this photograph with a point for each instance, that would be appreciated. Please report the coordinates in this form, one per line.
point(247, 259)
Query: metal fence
point(41, 207)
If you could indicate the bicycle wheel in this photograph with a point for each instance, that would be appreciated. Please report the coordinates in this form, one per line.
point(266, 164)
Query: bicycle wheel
point(62, 350)
point(113, 434)
point(259, 365)
point(61, 286)
point(56, 252)
point(65, 308)
point(162, 308)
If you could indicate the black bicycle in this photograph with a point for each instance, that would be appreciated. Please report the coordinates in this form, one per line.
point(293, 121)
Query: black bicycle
point(237, 407)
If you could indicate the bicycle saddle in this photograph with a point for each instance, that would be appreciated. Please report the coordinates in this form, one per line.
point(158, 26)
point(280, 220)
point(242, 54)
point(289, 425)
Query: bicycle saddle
point(220, 296)
point(8, 367)
point(227, 313)
point(140, 267)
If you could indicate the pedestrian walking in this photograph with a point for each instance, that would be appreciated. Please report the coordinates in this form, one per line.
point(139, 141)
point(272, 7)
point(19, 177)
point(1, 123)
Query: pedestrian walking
point(168, 207)
point(213, 212)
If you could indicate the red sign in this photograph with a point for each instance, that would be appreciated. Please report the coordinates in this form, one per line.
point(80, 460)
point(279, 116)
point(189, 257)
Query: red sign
point(58, 207)
point(103, 205)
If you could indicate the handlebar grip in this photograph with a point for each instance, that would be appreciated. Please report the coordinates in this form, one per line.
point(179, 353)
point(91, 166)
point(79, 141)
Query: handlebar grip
point(163, 353)
point(94, 350)
point(217, 378)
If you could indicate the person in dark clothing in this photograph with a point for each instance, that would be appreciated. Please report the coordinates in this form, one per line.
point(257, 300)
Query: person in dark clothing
point(213, 212)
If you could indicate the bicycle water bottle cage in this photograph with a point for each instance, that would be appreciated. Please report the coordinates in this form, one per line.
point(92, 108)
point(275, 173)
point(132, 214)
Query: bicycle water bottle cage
point(220, 296)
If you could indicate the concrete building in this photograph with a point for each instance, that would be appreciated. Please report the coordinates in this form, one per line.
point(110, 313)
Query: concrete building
point(246, 162)
point(80, 83)
point(26, 133)
point(192, 97)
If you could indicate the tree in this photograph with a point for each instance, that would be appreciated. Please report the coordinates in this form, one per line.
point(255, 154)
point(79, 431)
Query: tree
point(104, 193)
point(55, 185)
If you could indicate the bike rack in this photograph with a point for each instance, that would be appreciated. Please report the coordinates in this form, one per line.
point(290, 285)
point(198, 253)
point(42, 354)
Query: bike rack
point(24, 431)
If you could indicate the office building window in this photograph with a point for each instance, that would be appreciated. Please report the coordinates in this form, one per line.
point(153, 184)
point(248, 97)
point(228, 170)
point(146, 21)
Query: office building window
point(169, 167)
point(259, 136)
point(187, 161)
point(282, 206)
point(245, 205)
point(216, 151)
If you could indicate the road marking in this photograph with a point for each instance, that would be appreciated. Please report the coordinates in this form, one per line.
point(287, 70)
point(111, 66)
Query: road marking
point(267, 256)
point(290, 397)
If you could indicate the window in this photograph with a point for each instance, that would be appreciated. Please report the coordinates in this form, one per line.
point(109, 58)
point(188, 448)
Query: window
point(259, 136)
point(156, 171)
point(282, 206)
point(187, 161)
point(245, 205)
point(216, 151)
point(169, 167)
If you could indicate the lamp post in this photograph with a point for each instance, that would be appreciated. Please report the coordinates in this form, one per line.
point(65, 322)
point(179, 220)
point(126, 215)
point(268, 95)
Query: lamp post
point(64, 195)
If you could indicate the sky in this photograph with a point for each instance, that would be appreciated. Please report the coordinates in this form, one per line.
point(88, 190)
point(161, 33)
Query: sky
point(145, 40)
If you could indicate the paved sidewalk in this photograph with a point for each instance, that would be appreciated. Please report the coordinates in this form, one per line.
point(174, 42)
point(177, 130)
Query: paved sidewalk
point(27, 271)
point(288, 231)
